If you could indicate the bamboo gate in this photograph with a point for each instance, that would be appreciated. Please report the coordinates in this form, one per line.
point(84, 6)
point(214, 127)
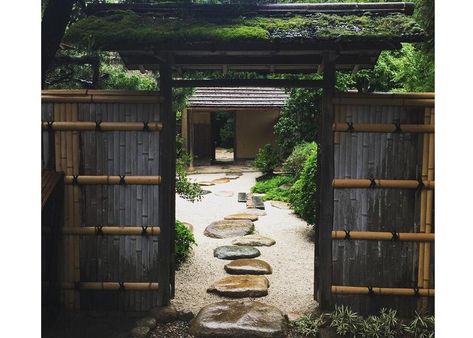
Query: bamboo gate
point(380, 247)
point(115, 243)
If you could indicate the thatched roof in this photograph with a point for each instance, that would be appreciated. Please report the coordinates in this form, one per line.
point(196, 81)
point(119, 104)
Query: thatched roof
point(237, 97)
point(146, 31)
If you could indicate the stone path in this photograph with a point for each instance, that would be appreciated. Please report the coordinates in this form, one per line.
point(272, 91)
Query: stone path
point(225, 222)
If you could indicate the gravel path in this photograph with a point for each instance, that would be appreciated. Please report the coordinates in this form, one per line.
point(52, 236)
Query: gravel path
point(292, 257)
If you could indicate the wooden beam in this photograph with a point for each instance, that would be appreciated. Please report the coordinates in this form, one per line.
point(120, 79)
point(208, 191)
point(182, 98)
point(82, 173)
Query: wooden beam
point(323, 262)
point(167, 191)
point(280, 83)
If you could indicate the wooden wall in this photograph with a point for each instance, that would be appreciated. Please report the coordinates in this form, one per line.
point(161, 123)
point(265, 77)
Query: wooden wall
point(107, 258)
point(381, 156)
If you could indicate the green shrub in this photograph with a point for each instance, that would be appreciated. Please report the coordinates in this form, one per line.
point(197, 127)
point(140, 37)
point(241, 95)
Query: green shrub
point(272, 189)
point(308, 326)
point(302, 193)
point(295, 162)
point(184, 242)
point(186, 189)
point(267, 159)
point(345, 321)
point(421, 326)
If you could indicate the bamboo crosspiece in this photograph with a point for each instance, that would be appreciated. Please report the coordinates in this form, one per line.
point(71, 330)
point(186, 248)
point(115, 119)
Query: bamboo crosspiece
point(383, 184)
point(112, 180)
point(111, 230)
point(111, 286)
point(382, 236)
point(382, 128)
point(101, 126)
point(367, 290)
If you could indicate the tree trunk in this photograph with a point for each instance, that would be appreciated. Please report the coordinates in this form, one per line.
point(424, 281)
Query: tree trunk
point(53, 25)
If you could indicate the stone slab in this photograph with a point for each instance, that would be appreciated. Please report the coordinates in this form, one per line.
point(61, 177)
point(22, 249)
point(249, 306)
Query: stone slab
point(227, 228)
point(236, 252)
point(254, 240)
point(245, 266)
point(240, 286)
point(239, 216)
point(239, 319)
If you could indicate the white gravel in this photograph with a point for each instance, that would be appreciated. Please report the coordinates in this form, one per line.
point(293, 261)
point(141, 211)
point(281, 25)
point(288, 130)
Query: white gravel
point(292, 257)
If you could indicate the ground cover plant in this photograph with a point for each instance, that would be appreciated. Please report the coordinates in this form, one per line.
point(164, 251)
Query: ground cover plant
point(347, 323)
point(275, 188)
point(267, 158)
point(184, 242)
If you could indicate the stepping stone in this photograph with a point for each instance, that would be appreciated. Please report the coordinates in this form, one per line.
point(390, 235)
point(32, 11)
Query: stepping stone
point(226, 228)
point(232, 176)
point(256, 212)
point(242, 197)
point(220, 180)
point(205, 192)
point(224, 193)
point(247, 266)
point(247, 216)
point(258, 202)
point(250, 204)
point(205, 183)
point(280, 205)
point(254, 240)
point(236, 252)
point(188, 226)
point(240, 286)
point(239, 319)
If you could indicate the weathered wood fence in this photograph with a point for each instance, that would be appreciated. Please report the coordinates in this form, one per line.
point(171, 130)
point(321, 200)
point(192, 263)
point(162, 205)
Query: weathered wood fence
point(383, 231)
point(108, 144)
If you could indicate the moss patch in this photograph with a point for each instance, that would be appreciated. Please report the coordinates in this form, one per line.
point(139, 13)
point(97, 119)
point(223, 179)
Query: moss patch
point(126, 29)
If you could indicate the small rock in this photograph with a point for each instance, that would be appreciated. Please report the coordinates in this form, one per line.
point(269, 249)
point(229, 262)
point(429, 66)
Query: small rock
point(236, 252)
point(224, 193)
point(188, 226)
point(254, 240)
point(147, 322)
point(226, 229)
point(280, 205)
point(293, 316)
point(221, 180)
point(165, 314)
point(205, 183)
point(241, 286)
point(239, 319)
point(248, 216)
point(206, 192)
point(245, 266)
point(185, 315)
point(250, 204)
point(139, 332)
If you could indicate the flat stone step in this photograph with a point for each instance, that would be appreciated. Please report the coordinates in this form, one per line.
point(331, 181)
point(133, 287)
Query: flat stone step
point(241, 286)
point(239, 319)
point(256, 212)
point(236, 252)
point(280, 205)
point(258, 202)
point(221, 180)
point(224, 193)
point(245, 266)
point(229, 228)
point(254, 240)
point(242, 197)
point(250, 204)
point(239, 216)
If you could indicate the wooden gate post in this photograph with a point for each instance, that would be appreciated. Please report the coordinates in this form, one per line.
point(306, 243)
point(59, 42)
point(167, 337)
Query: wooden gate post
point(167, 194)
point(323, 261)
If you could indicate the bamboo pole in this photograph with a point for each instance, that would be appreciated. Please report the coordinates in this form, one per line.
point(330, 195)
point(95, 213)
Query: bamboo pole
point(76, 201)
point(382, 128)
point(104, 126)
point(112, 180)
point(111, 286)
point(112, 231)
point(388, 184)
point(429, 206)
point(365, 290)
point(383, 236)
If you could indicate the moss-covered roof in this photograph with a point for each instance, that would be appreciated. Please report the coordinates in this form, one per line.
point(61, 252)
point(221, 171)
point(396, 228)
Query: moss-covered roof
point(124, 29)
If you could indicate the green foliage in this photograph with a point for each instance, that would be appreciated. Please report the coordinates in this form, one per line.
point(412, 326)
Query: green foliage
point(295, 162)
point(127, 29)
point(298, 121)
point(302, 193)
point(273, 188)
point(349, 324)
point(186, 189)
point(117, 77)
point(421, 326)
point(184, 242)
point(308, 326)
point(267, 158)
